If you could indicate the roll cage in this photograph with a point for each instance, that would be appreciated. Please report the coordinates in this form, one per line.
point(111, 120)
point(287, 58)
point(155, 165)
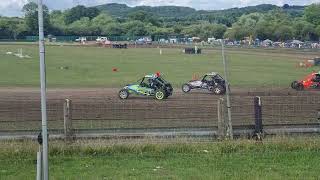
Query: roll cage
point(152, 82)
point(213, 77)
point(316, 78)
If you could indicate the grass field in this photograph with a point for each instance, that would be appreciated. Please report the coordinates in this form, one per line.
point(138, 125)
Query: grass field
point(295, 158)
point(92, 66)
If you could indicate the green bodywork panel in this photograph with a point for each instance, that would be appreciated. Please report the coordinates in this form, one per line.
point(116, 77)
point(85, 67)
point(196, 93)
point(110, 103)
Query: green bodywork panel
point(137, 89)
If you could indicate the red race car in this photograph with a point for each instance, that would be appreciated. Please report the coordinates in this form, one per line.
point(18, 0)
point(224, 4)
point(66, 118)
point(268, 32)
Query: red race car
point(312, 81)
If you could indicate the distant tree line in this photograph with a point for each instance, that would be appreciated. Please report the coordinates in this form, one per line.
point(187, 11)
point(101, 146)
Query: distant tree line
point(263, 22)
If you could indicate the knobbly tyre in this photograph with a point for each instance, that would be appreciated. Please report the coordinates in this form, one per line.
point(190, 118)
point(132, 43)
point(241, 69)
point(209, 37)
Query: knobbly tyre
point(212, 82)
point(150, 85)
point(312, 81)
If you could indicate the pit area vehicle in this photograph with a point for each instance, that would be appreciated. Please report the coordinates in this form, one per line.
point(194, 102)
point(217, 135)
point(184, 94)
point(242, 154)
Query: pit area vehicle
point(101, 39)
point(144, 40)
point(311, 81)
point(150, 85)
point(212, 82)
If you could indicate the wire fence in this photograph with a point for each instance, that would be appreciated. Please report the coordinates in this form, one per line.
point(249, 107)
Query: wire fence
point(291, 111)
point(25, 114)
point(147, 115)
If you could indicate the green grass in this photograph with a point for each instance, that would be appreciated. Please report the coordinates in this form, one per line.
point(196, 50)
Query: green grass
point(92, 66)
point(284, 159)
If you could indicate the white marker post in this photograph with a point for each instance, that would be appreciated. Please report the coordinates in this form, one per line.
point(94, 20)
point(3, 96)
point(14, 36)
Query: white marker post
point(43, 93)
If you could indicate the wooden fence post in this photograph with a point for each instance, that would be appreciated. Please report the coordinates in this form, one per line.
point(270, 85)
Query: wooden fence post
point(67, 117)
point(221, 119)
point(258, 118)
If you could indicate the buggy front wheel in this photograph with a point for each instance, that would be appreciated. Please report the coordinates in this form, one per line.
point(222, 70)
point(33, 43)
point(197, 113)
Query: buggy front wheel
point(297, 86)
point(186, 88)
point(123, 94)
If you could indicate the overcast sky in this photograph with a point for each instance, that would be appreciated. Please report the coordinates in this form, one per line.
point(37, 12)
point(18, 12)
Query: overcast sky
point(13, 7)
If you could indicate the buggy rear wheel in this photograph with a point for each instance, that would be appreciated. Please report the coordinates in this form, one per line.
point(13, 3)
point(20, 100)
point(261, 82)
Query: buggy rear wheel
point(123, 94)
point(218, 90)
point(160, 95)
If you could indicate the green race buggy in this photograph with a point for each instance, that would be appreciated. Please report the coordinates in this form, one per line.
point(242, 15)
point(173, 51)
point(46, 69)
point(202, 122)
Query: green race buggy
point(150, 85)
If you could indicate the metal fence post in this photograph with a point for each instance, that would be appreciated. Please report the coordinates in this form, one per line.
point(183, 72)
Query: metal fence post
point(221, 119)
point(225, 65)
point(258, 118)
point(39, 164)
point(67, 117)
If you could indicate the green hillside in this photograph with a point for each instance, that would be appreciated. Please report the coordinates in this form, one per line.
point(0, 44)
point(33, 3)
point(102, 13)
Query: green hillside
point(227, 16)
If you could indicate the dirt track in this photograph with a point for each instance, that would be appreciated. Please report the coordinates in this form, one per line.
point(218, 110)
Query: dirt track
point(102, 109)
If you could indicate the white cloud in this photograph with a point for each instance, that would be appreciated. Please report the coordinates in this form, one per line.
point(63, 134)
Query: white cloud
point(225, 4)
point(13, 7)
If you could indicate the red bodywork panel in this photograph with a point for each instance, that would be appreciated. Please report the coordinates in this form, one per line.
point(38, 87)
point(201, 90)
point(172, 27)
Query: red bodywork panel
point(307, 81)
